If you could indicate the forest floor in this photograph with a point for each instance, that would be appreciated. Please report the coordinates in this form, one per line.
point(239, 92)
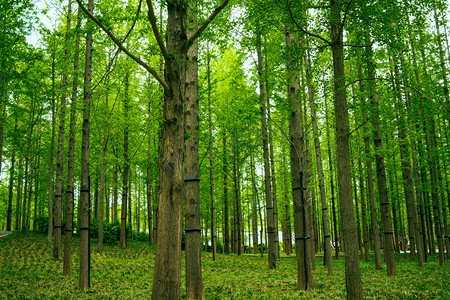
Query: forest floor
point(27, 271)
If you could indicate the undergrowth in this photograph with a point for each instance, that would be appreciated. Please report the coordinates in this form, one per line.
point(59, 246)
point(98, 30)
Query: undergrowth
point(28, 271)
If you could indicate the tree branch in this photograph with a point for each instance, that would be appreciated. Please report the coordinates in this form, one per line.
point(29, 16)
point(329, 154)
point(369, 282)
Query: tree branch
point(345, 16)
point(199, 31)
point(158, 37)
point(121, 47)
point(306, 31)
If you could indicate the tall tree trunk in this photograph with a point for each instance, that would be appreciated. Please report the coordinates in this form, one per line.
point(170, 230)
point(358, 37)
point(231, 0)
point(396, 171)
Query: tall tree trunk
point(352, 269)
point(85, 205)
point(226, 243)
point(71, 153)
point(11, 189)
point(388, 234)
point(167, 275)
point(287, 233)
point(18, 196)
point(254, 207)
point(101, 196)
point(211, 164)
point(194, 282)
point(59, 185)
point(272, 159)
point(272, 254)
point(125, 169)
point(333, 206)
point(414, 231)
point(304, 269)
point(115, 192)
point(50, 164)
point(370, 188)
point(149, 174)
point(363, 205)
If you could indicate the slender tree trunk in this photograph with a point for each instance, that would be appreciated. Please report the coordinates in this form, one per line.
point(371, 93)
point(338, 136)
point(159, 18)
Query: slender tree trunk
point(115, 192)
point(414, 231)
point(18, 196)
point(102, 176)
point(194, 282)
point(304, 269)
point(85, 205)
point(50, 169)
point(380, 169)
point(368, 160)
point(363, 205)
point(352, 269)
point(211, 165)
point(333, 206)
point(226, 220)
point(268, 189)
point(59, 185)
point(254, 207)
point(149, 175)
point(325, 223)
point(11, 189)
point(126, 168)
point(287, 233)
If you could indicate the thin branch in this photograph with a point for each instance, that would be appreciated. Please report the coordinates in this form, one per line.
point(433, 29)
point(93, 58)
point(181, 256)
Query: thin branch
point(306, 31)
point(345, 16)
point(158, 37)
point(122, 47)
point(205, 24)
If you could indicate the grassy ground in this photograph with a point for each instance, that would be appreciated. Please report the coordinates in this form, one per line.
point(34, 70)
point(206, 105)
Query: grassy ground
point(27, 271)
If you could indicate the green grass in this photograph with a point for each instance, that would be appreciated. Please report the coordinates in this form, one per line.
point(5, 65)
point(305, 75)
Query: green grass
point(27, 271)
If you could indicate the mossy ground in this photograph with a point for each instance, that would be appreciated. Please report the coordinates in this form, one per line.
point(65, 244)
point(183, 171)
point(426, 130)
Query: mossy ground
point(27, 271)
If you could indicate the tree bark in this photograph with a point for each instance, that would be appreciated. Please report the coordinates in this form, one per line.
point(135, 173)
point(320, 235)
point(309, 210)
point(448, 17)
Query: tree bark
point(60, 154)
point(272, 254)
point(304, 269)
point(85, 205)
point(194, 282)
point(370, 188)
point(325, 223)
point(352, 269)
point(386, 222)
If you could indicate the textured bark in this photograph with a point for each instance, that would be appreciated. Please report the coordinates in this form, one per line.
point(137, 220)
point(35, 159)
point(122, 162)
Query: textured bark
point(350, 237)
point(85, 205)
point(60, 154)
point(370, 188)
point(167, 275)
point(304, 269)
point(272, 254)
point(194, 282)
point(323, 200)
point(386, 222)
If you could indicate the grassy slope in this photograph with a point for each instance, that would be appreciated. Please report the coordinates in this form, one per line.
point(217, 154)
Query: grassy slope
point(28, 271)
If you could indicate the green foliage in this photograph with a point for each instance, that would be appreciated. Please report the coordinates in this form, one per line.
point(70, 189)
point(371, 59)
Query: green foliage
point(27, 270)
